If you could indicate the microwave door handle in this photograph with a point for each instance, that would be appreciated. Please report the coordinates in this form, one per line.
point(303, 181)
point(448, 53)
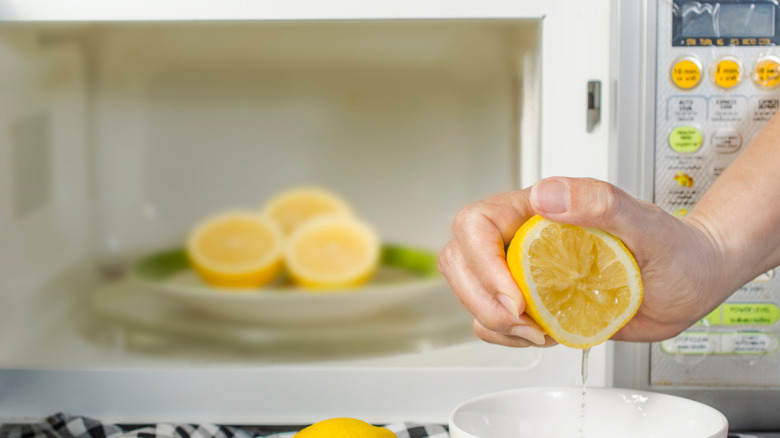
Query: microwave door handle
point(594, 105)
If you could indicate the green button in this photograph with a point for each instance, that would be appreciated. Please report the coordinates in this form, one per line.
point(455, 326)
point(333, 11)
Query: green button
point(750, 314)
point(685, 139)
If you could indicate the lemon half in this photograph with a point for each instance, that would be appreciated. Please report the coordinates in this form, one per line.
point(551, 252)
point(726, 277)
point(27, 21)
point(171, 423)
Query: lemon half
point(298, 205)
point(236, 249)
point(581, 285)
point(332, 252)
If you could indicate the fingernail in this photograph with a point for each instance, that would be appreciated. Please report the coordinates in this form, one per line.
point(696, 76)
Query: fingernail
point(551, 196)
point(531, 333)
point(510, 304)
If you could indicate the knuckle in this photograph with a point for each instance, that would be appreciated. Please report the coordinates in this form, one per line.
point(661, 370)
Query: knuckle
point(603, 204)
point(483, 332)
point(492, 316)
point(465, 217)
point(497, 338)
point(445, 257)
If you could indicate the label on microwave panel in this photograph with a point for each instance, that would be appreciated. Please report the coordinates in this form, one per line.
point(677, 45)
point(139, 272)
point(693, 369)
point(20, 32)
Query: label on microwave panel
point(750, 314)
point(691, 343)
point(686, 108)
point(705, 343)
point(728, 108)
point(754, 343)
point(762, 108)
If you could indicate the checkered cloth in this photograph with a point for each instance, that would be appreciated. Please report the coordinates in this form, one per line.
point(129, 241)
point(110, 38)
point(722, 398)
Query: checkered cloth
point(67, 426)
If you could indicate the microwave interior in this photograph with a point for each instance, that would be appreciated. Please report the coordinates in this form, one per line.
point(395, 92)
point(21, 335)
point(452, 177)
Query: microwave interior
point(117, 138)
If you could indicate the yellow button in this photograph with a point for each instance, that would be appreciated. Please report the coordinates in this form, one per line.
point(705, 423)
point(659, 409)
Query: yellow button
point(766, 73)
point(685, 139)
point(727, 72)
point(686, 73)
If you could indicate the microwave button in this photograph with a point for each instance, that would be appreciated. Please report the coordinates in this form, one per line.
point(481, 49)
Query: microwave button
point(766, 72)
point(685, 139)
point(727, 72)
point(685, 72)
point(726, 141)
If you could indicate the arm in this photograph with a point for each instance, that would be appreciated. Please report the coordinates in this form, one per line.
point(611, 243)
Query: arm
point(741, 211)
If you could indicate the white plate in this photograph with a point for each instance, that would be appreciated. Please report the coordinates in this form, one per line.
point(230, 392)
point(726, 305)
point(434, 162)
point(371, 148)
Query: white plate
point(150, 322)
point(404, 274)
point(609, 413)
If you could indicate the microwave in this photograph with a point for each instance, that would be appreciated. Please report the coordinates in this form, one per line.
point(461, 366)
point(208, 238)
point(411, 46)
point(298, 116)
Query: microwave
point(124, 123)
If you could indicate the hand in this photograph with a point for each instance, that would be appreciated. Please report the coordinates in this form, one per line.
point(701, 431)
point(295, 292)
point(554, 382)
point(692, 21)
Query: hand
point(678, 259)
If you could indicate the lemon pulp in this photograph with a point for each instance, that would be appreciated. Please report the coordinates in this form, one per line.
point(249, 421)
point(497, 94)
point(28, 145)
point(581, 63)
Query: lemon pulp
point(578, 277)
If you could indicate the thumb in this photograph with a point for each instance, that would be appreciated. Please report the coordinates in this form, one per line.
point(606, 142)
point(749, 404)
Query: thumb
point(589, 202)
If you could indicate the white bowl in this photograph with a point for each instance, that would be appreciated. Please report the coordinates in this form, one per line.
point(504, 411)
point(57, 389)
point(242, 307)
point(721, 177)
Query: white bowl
point(609, 413)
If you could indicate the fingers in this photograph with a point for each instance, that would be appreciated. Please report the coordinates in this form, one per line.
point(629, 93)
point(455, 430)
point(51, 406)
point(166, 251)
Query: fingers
point(482, 231)
point(509, 340)
point(583, 201)
point(494, 311)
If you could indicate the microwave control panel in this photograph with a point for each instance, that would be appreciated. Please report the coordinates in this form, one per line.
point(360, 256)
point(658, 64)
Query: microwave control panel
point(717, 83)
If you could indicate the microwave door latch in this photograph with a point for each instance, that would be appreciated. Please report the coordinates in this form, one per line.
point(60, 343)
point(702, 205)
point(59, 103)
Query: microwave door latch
point(594, 105)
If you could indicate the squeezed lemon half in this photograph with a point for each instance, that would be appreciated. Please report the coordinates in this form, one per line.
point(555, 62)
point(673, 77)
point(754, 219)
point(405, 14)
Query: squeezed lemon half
point(581, 285)
point(236, 249)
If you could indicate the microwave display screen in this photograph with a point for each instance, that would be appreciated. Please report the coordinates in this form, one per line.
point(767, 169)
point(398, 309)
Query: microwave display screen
point(724, 23)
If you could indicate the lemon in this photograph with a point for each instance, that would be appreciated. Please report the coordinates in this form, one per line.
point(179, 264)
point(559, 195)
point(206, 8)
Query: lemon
point(344, 428)
point(581, 285)
point(293, 207)
point(236, 249)
point(332, 252)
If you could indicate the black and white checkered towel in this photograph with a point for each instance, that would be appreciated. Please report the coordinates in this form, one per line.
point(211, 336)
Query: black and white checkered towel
point(69, 426)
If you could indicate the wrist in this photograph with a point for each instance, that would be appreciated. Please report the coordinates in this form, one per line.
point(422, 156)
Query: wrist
point(715, 274)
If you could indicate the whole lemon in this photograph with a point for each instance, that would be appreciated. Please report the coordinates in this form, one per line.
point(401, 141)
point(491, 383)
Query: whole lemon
point(344, 428)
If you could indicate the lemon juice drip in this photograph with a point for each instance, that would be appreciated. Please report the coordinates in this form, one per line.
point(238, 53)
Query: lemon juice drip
point(584, 374)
